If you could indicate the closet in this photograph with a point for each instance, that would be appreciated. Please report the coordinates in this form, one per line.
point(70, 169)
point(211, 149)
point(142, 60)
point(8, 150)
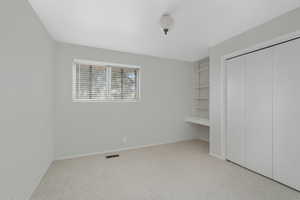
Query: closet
point(263, 111)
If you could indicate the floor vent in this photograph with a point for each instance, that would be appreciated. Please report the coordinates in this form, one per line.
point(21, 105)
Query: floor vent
point(112, 156)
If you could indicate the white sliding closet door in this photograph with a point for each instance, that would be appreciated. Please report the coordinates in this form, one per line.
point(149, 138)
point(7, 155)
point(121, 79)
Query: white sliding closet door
point(259, 111)
point(287, 114)
point(235, 110)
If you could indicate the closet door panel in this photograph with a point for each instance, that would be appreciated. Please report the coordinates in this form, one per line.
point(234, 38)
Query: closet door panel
point(235, 110)
point(259, 111)
point(287, 114)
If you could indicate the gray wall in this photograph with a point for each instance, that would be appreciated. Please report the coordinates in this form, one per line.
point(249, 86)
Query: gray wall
point(282, 25)
point(26, 83)
point(166, 96)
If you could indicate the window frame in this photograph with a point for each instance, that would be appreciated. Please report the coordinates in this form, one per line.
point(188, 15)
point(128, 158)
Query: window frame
point(108, 67)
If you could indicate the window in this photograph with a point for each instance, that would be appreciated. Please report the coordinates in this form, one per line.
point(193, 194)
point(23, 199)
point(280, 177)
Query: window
point(96, 82)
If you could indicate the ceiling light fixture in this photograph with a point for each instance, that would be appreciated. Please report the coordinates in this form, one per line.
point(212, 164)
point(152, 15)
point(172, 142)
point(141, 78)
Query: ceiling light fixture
point(166, 23)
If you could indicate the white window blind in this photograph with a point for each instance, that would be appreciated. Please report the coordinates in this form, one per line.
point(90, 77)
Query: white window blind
point(105, 83)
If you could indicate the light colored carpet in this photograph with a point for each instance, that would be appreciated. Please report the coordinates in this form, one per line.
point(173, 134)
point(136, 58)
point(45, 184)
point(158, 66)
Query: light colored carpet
point(180, 171)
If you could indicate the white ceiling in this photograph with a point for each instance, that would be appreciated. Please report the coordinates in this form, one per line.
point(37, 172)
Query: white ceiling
point(133, 25)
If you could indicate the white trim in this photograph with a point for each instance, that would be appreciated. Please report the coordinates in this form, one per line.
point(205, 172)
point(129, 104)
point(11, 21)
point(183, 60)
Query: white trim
point(264, 44)
point(217, 156)
point(104, 101)
point(40, 178)
point(122, 149)
point(223, 108)
point(223, 80)
point(100, 63)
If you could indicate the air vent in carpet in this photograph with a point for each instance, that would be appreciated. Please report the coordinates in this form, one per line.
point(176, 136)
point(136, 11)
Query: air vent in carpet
point(112, 156)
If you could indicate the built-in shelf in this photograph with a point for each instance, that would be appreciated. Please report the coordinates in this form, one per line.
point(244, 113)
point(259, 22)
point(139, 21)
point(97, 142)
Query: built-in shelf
point(201, 98)
point(200, 108)
point(198, 120)
point(202, 86)
point(203, 69)
point(200, 103)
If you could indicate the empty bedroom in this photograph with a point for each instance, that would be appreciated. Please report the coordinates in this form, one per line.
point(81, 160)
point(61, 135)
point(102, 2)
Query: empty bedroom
point(150, 100)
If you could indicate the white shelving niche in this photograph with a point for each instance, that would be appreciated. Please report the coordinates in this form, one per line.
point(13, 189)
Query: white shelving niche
point(200, 105)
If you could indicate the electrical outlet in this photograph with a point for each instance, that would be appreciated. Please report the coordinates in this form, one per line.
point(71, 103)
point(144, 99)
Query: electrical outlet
point(124, 140)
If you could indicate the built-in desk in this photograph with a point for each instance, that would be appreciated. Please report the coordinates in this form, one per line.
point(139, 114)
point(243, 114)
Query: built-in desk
point(198, 120)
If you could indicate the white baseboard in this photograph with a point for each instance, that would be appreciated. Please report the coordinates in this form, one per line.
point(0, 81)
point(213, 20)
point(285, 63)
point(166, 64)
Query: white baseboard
point(40, 179)
point(217, 156)
point(121, 149)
